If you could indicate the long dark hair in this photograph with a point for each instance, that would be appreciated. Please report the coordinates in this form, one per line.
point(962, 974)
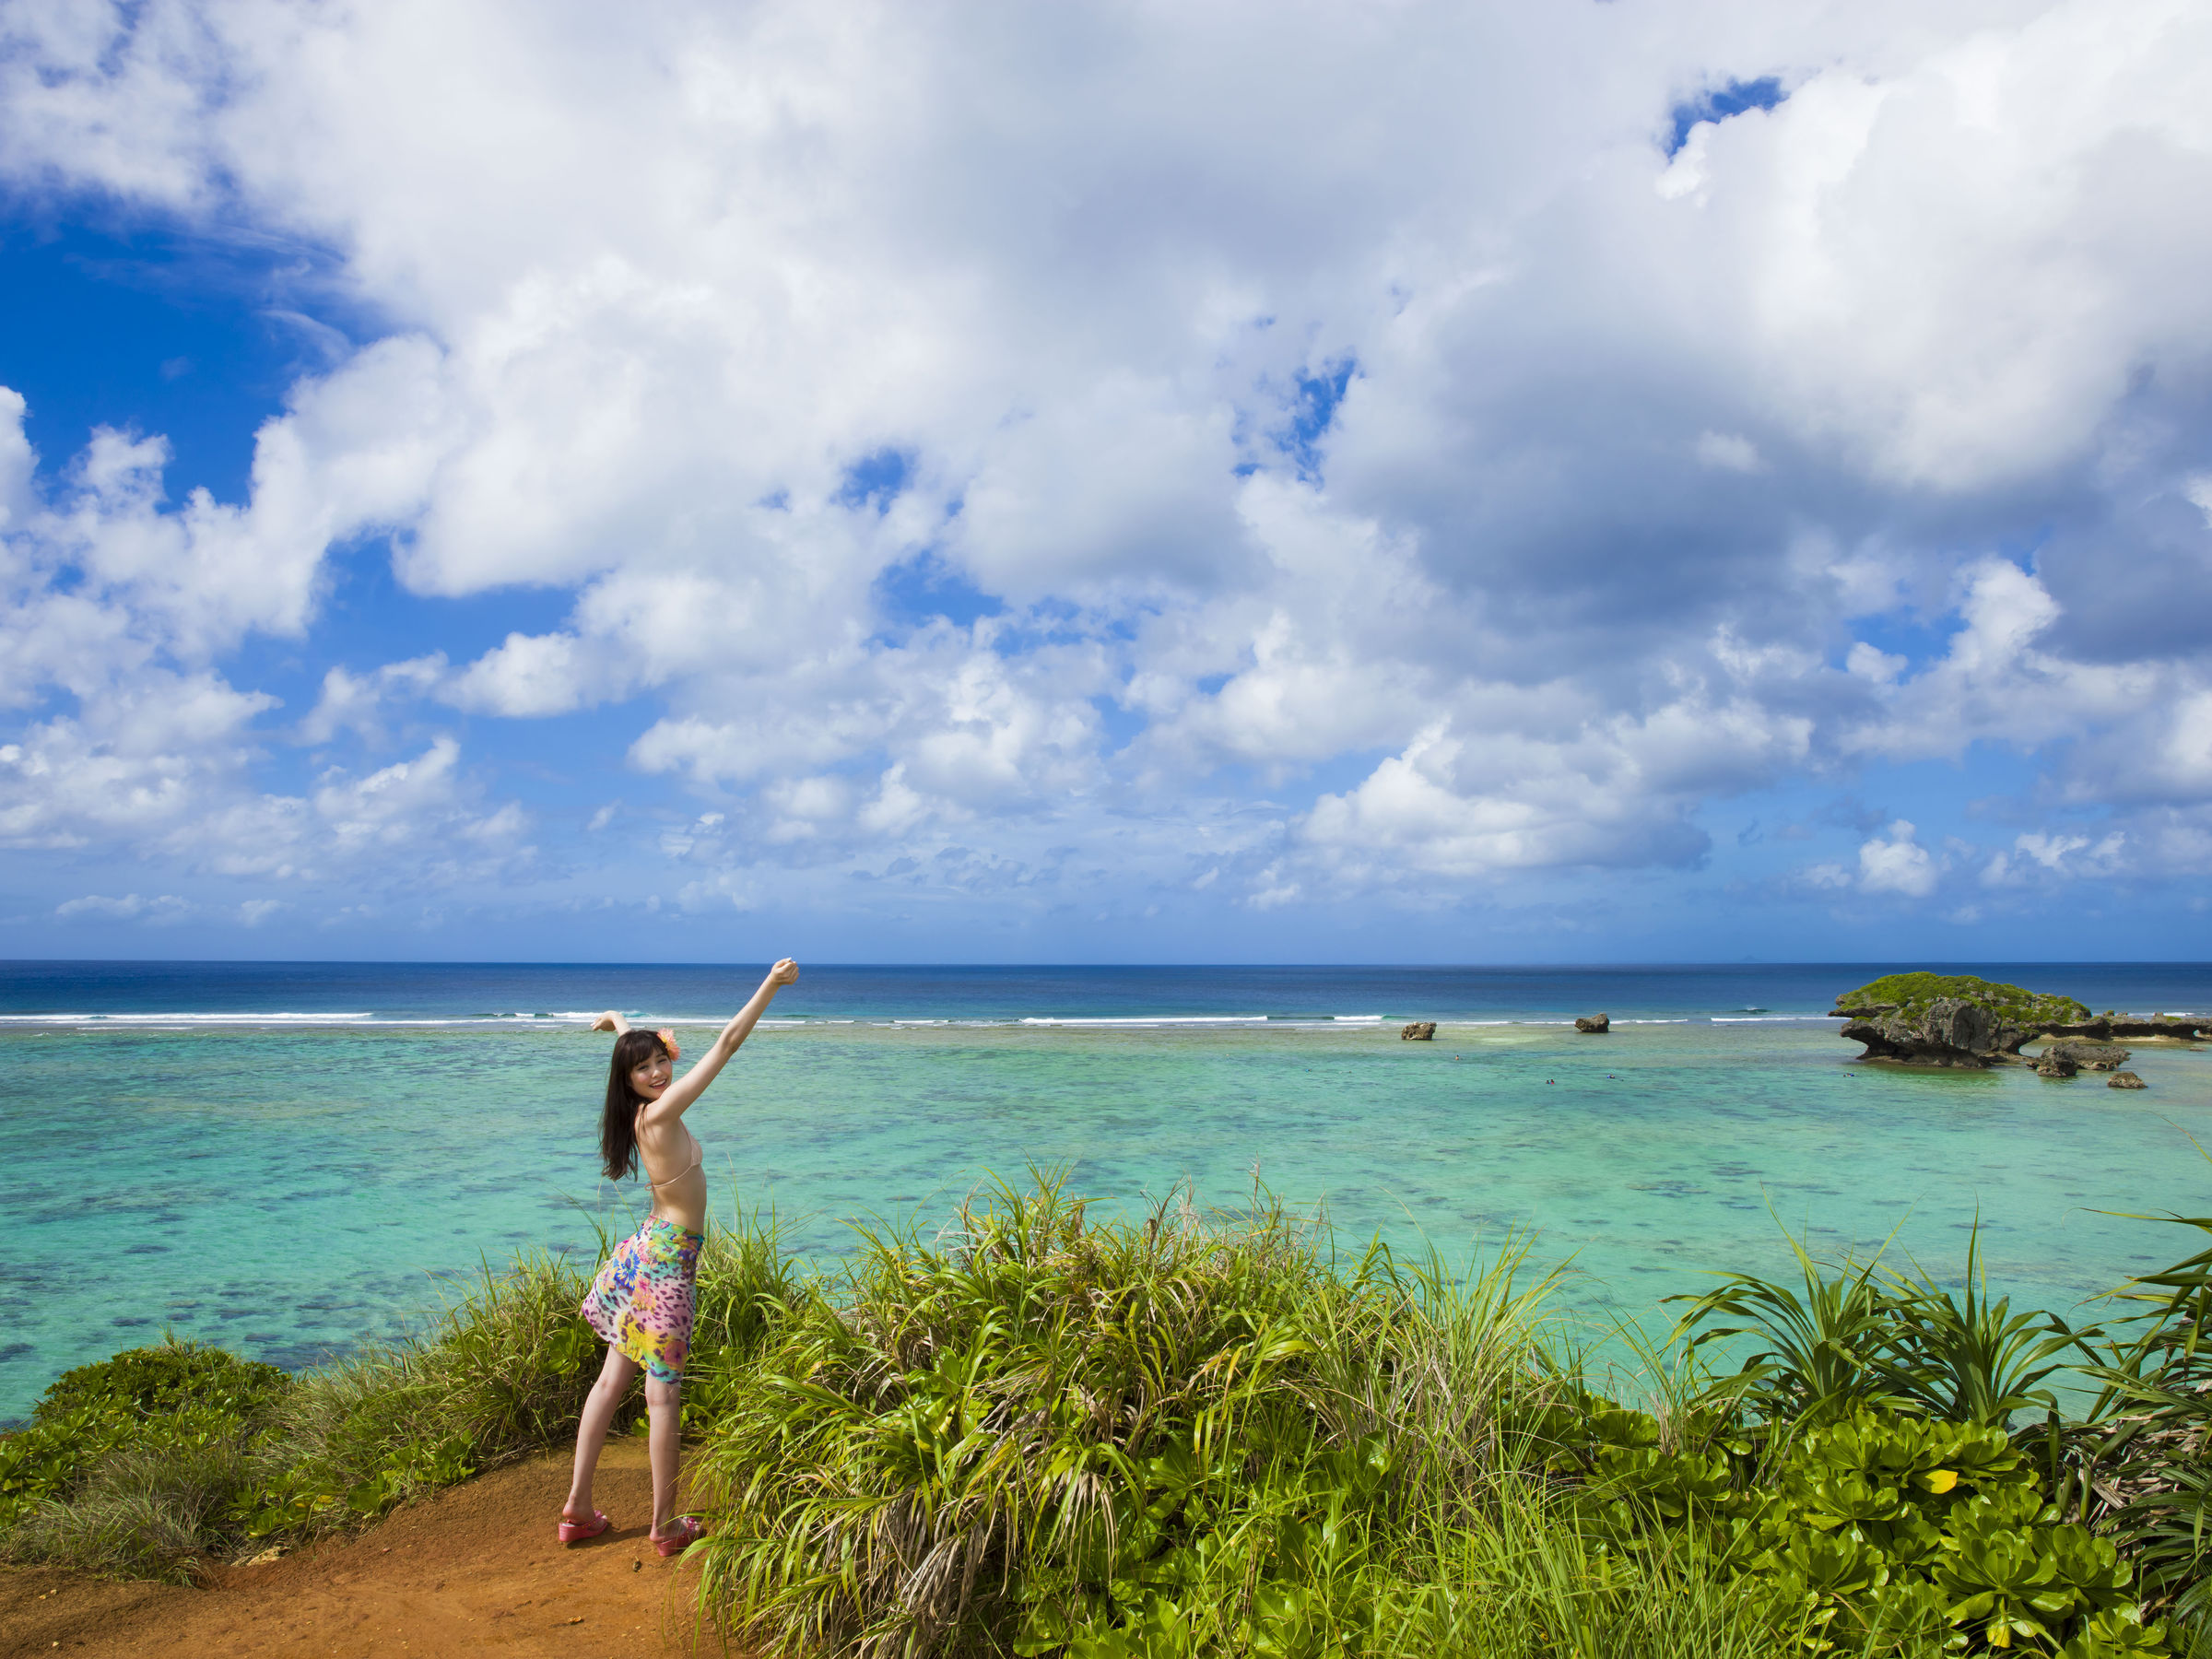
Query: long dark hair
point(619, 1125)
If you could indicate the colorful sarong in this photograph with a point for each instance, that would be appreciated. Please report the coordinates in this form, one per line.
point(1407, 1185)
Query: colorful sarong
point(643, 1302)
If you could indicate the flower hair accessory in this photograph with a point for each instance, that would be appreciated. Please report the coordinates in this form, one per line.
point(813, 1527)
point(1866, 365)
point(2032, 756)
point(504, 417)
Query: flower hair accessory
point(668, 1042)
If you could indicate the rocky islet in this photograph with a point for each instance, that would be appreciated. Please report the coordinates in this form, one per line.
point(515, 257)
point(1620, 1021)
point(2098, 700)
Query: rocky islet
point(1962, 1021)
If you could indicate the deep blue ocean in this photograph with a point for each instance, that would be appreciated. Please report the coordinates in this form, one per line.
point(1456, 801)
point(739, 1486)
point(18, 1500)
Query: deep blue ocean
point(293, 1157)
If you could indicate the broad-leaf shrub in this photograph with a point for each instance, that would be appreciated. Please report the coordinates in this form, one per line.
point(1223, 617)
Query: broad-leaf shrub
point(175, 1375)
point(1877, 1527)
point(179, 1398)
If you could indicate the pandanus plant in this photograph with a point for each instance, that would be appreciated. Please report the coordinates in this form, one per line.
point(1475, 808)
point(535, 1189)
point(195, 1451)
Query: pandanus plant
point(1856, 1335)
point(2150, 1472)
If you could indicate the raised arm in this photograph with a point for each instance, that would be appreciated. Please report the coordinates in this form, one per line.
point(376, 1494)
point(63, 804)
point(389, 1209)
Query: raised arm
point(611, 1021)
point(688, 1088)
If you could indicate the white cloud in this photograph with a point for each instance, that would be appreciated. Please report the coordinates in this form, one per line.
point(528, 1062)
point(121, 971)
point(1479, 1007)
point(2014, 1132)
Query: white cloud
point(1880, 667)
point(356, 702)
point(2043, 857)
point(1995, 683)
point(18, 464)
point(923, 413)
point(540, 674)
point(134, 766)
point(1894, 862)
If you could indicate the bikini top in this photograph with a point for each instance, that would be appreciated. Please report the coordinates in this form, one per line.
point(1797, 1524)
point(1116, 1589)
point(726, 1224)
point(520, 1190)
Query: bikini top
point(699, 1154)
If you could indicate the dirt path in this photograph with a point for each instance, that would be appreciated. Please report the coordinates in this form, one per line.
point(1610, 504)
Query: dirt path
point(474, 1569)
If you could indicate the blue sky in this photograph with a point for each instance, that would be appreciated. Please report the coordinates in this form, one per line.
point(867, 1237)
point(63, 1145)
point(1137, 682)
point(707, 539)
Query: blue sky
point(1437, 483)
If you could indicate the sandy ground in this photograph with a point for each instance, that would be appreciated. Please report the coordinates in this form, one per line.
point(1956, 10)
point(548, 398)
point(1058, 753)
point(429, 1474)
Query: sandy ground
point(474, 1569)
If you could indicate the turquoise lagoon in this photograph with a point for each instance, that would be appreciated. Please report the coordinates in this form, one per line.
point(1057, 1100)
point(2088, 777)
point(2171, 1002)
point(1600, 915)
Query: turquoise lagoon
point(291, 1160)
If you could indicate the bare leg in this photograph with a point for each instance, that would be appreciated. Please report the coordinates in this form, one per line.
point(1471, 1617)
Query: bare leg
point(663, 1410)
point(599, 1409)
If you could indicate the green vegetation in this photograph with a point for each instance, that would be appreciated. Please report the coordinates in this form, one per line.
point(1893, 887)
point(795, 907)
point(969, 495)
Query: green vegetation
point(1910, 994)
point(2152, 1451)
point(1040, 1434)
point(161, 1461)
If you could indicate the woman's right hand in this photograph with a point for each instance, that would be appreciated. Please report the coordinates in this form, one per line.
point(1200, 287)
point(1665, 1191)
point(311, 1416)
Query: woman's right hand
point(609, 1021)
point(785, 972)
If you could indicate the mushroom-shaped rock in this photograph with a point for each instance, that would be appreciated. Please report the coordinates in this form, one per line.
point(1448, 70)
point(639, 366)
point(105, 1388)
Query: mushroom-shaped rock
point(2124, 1079)
point(1594, 1022)
point(2056, 1064)
point(1420, 1030)
point(1957, 1020)
point(2092, 1056)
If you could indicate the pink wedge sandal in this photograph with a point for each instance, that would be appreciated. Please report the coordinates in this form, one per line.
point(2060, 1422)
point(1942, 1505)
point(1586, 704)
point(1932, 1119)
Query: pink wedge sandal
point(676, 1543)
point(576, 1532)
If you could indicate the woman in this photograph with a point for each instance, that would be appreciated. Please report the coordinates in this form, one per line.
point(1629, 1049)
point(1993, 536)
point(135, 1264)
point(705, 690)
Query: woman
point(642, 1303)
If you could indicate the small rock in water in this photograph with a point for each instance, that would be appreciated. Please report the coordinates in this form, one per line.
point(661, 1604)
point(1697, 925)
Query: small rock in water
point(1420, 1030)
point(2092, 1056)
point(2124, 1079)
point(2056, 1064)
point(1594, 1022)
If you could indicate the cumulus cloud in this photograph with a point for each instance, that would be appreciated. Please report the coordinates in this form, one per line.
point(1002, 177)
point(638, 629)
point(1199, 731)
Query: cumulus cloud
point(139, 764)
point(359, 702)
point(1324, 449)
point(1894, 862)
point(1615, 792)
point(122, 604)
point(2036, 857)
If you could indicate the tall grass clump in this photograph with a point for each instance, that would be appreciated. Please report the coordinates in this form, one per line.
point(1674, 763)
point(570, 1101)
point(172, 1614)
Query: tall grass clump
point(2146, 1457)
point(1036, 1433)
point(502, 1372)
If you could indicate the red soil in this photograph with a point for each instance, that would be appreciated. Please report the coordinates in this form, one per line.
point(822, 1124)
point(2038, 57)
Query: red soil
point(474, 1569)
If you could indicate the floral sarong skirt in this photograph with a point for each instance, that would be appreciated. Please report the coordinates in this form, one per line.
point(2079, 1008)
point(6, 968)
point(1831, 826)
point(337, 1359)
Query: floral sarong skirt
point(643, 1302)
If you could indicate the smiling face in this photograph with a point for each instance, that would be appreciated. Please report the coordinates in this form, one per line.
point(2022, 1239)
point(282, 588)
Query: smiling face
point(649, 1079)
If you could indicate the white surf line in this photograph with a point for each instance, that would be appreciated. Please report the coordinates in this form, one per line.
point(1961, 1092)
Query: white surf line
point(1158, 1019)
point(185, 1019)
point(179, 1022)
point(1468, 1025)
